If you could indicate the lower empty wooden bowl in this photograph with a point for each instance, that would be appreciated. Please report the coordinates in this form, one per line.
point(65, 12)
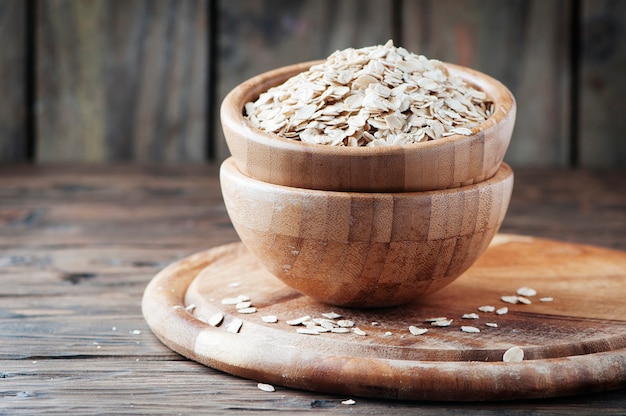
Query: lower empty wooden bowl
point(365, 249)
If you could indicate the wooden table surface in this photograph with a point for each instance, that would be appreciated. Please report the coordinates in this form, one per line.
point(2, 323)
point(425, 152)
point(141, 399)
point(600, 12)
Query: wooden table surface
point(78, 245)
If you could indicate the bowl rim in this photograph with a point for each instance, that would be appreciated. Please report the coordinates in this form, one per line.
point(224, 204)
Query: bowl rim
point(232, 113)
point(229, 167)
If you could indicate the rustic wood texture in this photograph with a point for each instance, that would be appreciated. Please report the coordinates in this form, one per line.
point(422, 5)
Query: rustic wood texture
point(78, 245)
point(257, 36)
point(524, 44)
point(438, 164)
point(602, 88)
point(121, 80)
point(389, 362)
point(128, 81)
point(12, 75)
point(365, 249)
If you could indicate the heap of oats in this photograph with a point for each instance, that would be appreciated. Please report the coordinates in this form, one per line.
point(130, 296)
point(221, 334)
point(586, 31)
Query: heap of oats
point(374, 96)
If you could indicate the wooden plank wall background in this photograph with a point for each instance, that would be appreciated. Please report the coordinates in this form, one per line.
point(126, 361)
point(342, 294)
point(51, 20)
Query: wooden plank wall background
point(141, 80)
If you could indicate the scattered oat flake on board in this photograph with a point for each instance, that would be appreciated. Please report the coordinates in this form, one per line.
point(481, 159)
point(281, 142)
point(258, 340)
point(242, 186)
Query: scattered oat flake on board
point(216, 319)
point(491, 324)
point(270, 319)
point(417, 331)
point(299, 321)
point(327, 324)
point(243, 305)
point(546, 299)
point(331, 315)
point(439, 318)
point(526, 291)
point(340, 330)
point(266, 387)
point(470, 316)
point(345, 323)
point(359, 331)
point(249, 310)
point(487, 308)
point(513, 355)
point(387, 334)
point(471, 329)
point(502, 311)
point(442, 322)
point(510, 299)
point(230, 301)
point(320, 329)
point(349, 402)
point(307, 331)
point(235, 325)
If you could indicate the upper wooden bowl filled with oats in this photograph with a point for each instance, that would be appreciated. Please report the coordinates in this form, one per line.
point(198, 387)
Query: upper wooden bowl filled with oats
point(375, 119)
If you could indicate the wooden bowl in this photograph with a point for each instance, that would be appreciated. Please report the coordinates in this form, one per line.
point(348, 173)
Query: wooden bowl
point(365, 249)
point(448, 162)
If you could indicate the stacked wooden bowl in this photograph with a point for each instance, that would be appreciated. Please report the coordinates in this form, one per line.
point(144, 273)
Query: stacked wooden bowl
point(366, 226)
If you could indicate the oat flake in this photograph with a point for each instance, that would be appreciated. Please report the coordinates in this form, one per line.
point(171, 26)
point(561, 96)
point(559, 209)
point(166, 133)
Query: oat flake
point(443, 322)
point(526, 291)
point(513, 355)
point(235, 325)
point(359, 331)
point(510, 299)
point(374, 96)
point(216, 319)
point(266, 387)
point(471, 329)
point(299, 321)
point(417, 331)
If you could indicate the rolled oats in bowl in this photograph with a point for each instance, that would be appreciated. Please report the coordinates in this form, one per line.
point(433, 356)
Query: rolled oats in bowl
point(375, 96)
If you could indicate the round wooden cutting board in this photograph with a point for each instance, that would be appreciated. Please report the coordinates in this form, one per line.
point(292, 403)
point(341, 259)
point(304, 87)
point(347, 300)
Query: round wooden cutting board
point(572, 344)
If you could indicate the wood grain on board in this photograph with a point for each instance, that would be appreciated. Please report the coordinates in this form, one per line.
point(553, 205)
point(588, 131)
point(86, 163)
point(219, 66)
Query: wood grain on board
point(121, 80)
point(13, 141)
point(572, 344)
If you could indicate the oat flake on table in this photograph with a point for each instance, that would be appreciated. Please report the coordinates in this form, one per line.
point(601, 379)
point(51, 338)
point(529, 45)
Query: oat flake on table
point(375, 96)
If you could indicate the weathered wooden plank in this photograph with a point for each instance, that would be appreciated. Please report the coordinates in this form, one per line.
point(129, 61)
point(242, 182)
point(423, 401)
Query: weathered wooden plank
point(112, 385)
point(12, 73)
point(121, 80)
point(69, 278)
point(524, 44)
point(76, 207)
point(602, 84)
point(256, 36)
